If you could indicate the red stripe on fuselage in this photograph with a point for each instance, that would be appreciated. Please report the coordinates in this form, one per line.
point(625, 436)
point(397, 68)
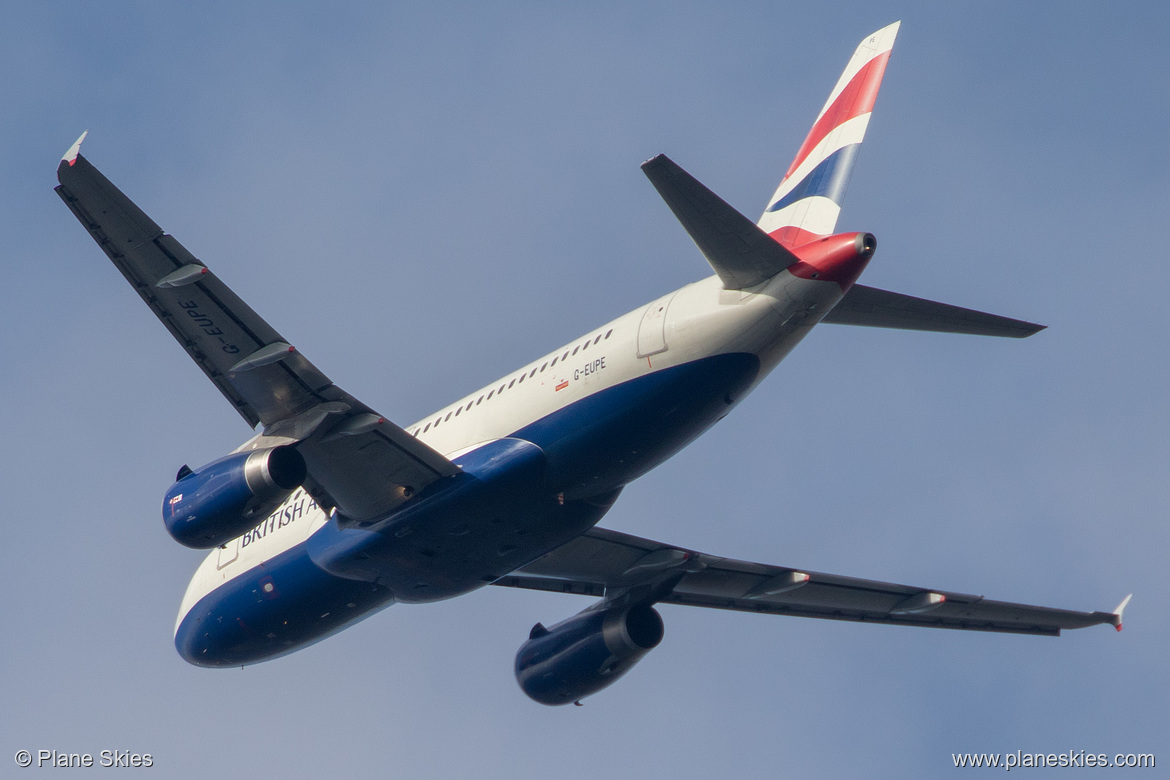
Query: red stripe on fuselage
point(856, 99)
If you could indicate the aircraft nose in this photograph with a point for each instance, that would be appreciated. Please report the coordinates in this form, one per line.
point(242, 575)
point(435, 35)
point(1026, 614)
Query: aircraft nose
point(840, 258)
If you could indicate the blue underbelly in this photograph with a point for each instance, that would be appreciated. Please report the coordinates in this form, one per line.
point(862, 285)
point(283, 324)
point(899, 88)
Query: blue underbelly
point(283, 605)
point(616, 435)
point(593, 447)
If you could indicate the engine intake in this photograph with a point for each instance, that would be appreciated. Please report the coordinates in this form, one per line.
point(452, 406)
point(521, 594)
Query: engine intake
point(586, 653)
point(220, 501)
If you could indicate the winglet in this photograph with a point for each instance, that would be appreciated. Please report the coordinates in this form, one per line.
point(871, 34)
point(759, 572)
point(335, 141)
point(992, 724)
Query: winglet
point(71, 155)
point(1116, 616)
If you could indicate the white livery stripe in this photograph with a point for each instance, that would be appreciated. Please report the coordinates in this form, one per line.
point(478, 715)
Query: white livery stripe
point(879, 43)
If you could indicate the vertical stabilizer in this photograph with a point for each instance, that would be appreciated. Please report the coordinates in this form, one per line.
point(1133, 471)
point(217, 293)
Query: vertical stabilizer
point(808, 201)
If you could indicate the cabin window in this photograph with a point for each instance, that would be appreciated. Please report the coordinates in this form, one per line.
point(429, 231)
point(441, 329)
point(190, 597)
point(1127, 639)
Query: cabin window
point(511, 383)
point(448, 417)
point(493, 392)
point(555, 360)
point(427, 428)
point(597, 339)
point(457, 411)
point(609, 333)
point(576, 350)
point(479, 401)
point(542, 368)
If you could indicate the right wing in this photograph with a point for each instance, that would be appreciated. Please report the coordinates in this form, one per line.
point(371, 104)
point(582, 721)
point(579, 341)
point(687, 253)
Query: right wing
point(617, 566)
point(358, 461)
point(884, 309)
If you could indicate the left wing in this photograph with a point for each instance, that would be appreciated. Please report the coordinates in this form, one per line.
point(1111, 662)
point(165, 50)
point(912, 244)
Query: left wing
point(357, 460)
point(615, 566)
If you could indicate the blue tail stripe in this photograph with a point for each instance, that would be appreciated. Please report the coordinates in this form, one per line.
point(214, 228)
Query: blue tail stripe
point(829, 179)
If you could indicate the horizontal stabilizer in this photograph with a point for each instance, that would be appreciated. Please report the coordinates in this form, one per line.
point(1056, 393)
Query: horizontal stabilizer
point(740, 252)
point(884, 309)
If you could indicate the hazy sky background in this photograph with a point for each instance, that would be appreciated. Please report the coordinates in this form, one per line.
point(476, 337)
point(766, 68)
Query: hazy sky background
point(424, 196)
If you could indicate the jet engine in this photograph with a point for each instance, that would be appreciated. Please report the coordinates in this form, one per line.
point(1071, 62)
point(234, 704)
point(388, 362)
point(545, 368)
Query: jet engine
point(589, 651)
point(220, 501)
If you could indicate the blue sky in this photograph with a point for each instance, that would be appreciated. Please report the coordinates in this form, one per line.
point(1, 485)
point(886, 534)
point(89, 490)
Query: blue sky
point(422, 197)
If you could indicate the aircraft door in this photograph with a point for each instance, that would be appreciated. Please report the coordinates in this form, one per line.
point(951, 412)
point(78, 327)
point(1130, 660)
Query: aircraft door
point(652, 329)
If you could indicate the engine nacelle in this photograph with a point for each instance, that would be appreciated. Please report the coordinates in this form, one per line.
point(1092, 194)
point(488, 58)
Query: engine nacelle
point(589, 651)
point(227, 497)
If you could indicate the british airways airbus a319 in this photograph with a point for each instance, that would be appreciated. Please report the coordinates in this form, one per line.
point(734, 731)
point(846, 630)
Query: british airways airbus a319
point(332, 512)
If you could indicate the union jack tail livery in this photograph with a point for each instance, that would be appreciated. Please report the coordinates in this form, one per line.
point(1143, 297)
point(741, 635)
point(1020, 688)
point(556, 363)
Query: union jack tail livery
point(808, 201)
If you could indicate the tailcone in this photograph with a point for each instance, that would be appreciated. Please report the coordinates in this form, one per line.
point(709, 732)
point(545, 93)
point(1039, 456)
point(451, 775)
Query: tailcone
point(840, 258)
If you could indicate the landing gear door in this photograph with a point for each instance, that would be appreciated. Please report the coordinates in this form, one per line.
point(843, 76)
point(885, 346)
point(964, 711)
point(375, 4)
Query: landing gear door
point(652, 329)
point(228, 553)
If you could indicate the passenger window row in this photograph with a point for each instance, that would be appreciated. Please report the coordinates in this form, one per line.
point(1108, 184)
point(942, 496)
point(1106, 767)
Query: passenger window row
point(515, 381)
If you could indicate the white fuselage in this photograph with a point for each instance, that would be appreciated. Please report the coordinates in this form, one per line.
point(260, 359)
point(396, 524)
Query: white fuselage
point(698, 321)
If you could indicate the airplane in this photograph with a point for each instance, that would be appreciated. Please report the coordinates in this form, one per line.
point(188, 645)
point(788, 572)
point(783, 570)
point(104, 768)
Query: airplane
point(331, 512)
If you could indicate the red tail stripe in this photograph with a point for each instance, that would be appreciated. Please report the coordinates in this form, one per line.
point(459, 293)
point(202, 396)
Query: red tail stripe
point(856, 99)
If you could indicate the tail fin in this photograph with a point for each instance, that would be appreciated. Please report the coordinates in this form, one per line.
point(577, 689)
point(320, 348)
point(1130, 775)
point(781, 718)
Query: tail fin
point(808, 201)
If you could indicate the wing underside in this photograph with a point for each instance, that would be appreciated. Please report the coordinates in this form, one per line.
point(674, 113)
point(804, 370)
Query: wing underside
point(613, 565)
point(358, 461)
point(213, 325)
